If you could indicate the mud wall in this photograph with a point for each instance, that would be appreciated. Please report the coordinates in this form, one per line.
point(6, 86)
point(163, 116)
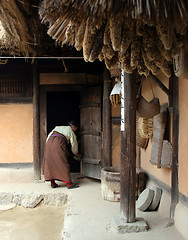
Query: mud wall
point(183, 136)
point(16, 128)
point(163, 174)
point(116, 137)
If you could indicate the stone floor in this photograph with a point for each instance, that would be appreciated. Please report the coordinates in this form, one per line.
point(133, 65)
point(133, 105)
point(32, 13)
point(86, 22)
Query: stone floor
point(88, 216)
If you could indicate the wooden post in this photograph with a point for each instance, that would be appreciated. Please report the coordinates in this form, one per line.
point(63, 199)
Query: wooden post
point(128, 148)
point(36, 123)
point(106, 151)
point(174, 103)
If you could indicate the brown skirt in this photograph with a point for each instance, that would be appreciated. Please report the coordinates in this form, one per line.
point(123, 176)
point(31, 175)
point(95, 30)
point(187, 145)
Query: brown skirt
point(56, 164)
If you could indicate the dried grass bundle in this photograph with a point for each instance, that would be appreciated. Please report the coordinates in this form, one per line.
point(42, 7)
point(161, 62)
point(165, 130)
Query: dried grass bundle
point(15, 25)
point(136, 35)
point(24, 34)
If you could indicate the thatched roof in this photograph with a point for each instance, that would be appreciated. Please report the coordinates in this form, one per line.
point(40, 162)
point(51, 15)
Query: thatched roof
point(143, 34)
point(21, 31)
point(138, 34)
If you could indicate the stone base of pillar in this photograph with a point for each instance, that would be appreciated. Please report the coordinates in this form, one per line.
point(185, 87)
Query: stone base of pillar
point(140, 225)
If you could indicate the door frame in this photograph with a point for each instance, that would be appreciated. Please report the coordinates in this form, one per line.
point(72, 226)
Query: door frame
point(44, 89)
point(106, 116)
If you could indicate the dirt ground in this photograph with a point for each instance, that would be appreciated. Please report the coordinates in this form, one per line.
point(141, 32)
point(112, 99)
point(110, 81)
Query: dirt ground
point(39, 223)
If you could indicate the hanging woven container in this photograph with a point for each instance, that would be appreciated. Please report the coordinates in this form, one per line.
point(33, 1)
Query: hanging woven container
point(181, 64)
point(148, 109)
point(115, 95)
point(145, 127)
point(140, 140)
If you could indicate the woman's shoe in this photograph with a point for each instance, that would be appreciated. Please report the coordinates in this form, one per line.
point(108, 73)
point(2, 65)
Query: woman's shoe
point(53, 184)
point(72, 186)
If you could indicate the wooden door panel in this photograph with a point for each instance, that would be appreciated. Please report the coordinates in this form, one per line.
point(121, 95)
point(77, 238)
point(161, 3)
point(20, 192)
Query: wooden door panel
point(91, 147)
point(90, 130)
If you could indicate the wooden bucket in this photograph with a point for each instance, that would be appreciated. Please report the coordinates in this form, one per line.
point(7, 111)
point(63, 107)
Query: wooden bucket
point(110, 183)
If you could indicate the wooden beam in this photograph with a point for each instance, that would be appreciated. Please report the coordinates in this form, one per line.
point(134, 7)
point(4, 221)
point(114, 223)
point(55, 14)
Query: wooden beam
point(160, 84)
point(68, 78)
point(106, 124)
point(36, 123)
point(128, 148)
point(174, 103)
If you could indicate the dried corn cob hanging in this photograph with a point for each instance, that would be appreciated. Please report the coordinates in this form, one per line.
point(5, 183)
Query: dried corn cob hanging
point(146, 60)
point(135, 51)
point(162, 64)
point(80, 36)
point(127, 35)
point(115, 32)
point(164, 35)
point(108, 51)
point(167, 54)
point(139, 27)
point(111, 62)
point(177, 44)
point(141, 67)
point(89, 38)
point(115, 70)
point(125, 60)
point(154, 68)
point(107, 40)
point(98, 43)
point(101, 56)
point(148, 40)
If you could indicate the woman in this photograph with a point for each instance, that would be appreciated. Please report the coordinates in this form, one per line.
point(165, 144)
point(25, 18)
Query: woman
point(56, 164)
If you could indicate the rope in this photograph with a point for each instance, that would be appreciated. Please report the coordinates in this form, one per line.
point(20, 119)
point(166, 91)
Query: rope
point(3, 61)
point(66, 70)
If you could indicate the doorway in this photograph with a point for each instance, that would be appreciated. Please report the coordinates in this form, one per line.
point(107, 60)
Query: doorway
point(62, 106)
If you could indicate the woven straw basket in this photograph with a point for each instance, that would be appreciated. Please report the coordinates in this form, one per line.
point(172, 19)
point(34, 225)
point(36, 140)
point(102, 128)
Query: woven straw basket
point(145, 127)
point(140, 140)
point(148, 109)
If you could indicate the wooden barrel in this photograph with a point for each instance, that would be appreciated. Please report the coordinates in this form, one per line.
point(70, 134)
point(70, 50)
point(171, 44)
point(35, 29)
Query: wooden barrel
point(110, 183)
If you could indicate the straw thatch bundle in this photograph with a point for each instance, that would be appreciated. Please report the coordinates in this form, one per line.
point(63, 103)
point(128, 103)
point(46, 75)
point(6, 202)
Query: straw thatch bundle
point(24, 33)
point(143, 34)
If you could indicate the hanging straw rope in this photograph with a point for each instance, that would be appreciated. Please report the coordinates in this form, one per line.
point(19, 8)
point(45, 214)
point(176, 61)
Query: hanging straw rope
point(3, 61)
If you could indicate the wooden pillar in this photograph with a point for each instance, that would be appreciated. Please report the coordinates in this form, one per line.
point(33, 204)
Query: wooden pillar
point(43, 125)
point(36, 123)
point(174, 103)
point(106, 151)
point(128, 148)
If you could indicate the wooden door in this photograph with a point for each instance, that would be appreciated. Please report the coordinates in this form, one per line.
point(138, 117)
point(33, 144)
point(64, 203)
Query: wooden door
point(90, 131)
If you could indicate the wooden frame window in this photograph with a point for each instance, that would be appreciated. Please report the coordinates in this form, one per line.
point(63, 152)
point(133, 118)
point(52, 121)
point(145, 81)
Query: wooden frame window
point(12, 85)
point(15, 87)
